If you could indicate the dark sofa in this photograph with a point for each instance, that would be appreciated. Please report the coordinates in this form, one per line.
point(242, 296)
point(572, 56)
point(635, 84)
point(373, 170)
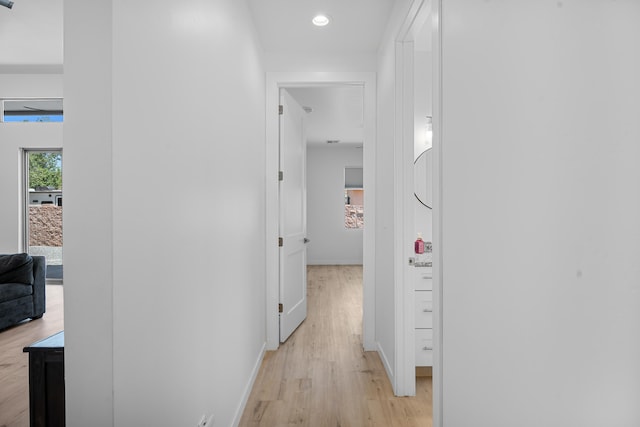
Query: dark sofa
point(22, 288)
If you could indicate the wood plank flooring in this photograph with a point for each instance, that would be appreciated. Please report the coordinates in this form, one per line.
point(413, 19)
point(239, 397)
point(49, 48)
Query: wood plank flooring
point(14, 370)
point(319, 377)
point(322, 377)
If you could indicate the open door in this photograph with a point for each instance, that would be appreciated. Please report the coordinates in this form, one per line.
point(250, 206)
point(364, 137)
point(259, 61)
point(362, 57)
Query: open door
point(293, 216)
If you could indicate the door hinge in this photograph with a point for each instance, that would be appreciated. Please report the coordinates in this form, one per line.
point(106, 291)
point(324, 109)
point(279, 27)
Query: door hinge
point(280, 110)
point(280, 175)
point(280, 309)
point(280, 242)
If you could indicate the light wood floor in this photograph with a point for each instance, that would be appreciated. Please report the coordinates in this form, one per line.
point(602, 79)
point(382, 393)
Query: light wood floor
point(14, 370)
point(322, 377)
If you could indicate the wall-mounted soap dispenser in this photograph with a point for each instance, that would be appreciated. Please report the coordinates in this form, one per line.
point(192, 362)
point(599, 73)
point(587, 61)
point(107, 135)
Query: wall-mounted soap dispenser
point(423, 255)
point(419, 245)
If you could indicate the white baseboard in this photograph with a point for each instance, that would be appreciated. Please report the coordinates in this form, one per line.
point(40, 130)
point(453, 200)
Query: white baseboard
point(385, 363)
point(335, 262)
point(249, 387)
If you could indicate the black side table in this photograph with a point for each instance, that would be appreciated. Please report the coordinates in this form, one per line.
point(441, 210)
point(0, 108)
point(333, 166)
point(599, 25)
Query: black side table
point(46, 381)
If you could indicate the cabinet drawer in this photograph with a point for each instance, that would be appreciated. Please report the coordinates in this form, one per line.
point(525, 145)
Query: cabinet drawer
point(424, 309)
point(424, 347)
point(423, 280)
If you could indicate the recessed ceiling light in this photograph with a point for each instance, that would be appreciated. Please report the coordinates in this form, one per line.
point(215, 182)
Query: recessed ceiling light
point(320, 20)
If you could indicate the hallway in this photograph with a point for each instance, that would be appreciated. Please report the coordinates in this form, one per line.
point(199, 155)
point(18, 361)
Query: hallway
point(322, 377)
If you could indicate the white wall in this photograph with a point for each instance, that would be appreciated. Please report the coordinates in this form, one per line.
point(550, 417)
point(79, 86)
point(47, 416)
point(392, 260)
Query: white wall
point(13, 137)
point(45, 85)
point(541, 280)
point(88, 214)
point(317, 62)
point(385, 283)
point(331, 243)
point(179, 308)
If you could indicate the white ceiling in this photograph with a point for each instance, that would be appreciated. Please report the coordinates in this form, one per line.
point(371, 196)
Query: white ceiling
point(337, 113)
point(356, 25)
point(31, 33)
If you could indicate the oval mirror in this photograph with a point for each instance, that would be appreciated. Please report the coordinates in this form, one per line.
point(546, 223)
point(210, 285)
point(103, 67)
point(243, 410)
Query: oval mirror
point(422, 180)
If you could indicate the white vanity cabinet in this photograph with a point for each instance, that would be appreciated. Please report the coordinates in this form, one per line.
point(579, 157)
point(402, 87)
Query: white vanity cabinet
point(423, 316)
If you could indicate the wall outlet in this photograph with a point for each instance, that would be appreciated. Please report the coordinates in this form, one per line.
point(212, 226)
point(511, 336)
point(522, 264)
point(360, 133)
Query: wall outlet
point(206, 422)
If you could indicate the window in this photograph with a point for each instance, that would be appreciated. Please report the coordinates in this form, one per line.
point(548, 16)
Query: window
point(43, 208)
point(353, 198)
point(32, 110)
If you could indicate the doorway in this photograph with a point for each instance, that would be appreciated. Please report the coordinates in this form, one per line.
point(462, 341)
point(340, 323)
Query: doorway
point(275, 82)
point(42, 206)
point(321, 200)
point(419, 36)
point(335, 190)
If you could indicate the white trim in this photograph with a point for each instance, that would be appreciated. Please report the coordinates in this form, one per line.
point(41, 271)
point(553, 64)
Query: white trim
point(247, 390)
point(385, 362)
point(335, 262)
point(438, 265)
point(23, 192)
point(31, 69)
point(405, 383)
point(408, 26)
point(23, 201)
point(407, 232)
point(24, 197)
point(405, 334)
point(274, 81)
point(400, 368)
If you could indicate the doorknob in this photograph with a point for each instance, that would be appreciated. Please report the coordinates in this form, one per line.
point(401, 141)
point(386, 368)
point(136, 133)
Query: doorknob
point(306, 240)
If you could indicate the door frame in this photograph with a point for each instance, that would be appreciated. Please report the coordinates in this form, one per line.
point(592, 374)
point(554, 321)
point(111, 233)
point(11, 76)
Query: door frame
point(274, 82)
point(404, 108)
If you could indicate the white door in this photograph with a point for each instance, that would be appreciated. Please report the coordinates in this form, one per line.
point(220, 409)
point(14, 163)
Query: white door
point(293, 216)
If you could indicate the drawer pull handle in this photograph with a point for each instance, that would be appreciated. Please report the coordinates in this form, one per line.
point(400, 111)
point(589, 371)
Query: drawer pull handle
point(427, 348)
point(427, 310)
